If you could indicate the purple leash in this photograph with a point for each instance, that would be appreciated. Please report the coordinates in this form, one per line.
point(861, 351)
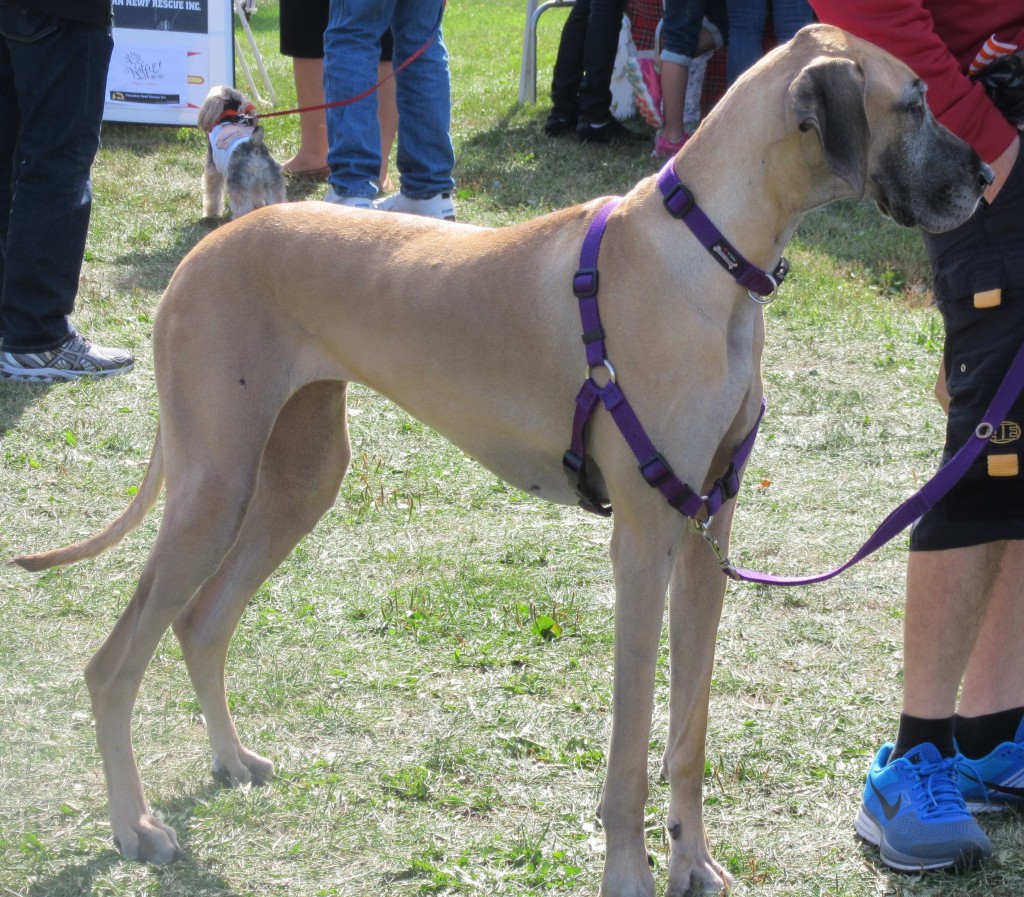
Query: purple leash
point(653, 466)
point(945, 478)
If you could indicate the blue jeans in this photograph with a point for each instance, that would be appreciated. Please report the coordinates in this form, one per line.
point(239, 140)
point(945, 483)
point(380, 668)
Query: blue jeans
point(747, 19)
point(351, 52)
point(683, 20)
point(53, 76)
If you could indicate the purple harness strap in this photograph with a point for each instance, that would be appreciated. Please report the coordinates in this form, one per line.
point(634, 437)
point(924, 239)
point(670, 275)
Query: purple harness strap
point(653, 466)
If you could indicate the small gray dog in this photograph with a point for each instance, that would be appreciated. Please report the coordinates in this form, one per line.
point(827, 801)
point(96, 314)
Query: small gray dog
point(236, 156)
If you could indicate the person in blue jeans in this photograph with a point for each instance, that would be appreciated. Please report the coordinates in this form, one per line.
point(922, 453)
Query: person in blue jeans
point(747, 19)
point(54, 56)
point(425, 155)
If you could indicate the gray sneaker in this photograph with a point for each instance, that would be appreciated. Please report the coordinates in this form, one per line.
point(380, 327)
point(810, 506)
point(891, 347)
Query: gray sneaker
point(356, 202)
point(439, 205)
point(76, 357)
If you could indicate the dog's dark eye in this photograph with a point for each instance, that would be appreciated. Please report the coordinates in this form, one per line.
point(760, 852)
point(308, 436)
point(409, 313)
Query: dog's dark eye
point(914, 101)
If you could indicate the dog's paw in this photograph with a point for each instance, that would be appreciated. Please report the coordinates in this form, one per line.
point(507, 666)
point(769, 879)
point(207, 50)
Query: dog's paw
point(627, 879)
point(707, 879)
point(242, 768)
point(148, 839)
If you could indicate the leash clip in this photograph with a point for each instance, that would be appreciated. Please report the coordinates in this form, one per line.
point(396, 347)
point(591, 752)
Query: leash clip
point(702, 529)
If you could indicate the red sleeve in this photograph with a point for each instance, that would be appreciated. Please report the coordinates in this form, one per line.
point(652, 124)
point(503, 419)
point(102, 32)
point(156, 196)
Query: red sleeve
point(906, 30)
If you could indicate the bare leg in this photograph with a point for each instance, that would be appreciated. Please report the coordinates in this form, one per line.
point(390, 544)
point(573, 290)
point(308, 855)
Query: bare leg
point(994, 680)
point(311, 155)
point(387, 117)
point(674, 78)
point(947, 593)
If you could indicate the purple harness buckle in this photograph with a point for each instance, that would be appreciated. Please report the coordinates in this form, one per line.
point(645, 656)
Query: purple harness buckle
point(678, 200)
point(584, 283)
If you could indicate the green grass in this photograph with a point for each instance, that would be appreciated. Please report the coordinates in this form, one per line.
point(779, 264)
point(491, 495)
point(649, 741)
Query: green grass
point(431, 669)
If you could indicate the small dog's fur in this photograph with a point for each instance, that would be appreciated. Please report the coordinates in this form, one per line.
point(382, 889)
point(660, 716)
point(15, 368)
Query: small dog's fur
point(252, 175)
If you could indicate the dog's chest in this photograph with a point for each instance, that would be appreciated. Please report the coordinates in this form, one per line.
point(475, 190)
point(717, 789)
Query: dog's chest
point(224, 138)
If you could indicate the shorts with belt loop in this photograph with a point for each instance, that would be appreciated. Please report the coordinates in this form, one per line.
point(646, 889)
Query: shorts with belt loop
point(979, 290)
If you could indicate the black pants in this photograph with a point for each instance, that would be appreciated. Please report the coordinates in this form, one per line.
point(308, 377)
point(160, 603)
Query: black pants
point(581, 87)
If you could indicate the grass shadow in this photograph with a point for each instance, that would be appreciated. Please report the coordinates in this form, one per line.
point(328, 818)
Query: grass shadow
point(149, 260)
point(15, 398)
point(141, 140)
point(184, 878)
point(514, 164)
point(149, 265)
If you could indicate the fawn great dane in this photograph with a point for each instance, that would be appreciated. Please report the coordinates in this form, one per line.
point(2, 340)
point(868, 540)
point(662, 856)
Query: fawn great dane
point(475, 331)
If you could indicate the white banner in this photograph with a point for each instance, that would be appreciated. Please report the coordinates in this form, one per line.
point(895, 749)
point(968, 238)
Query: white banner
point(167, 56)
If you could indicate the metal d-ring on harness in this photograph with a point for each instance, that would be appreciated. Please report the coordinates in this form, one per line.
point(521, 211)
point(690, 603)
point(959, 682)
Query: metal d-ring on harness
point(655, 469)
point(699, 509)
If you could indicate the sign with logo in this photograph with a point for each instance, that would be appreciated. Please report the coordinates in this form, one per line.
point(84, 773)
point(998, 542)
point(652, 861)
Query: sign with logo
point(167, 56)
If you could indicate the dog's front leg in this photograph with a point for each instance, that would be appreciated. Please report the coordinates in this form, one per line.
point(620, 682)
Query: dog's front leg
point(695, 607)
point(642, 560)
point(213, 189)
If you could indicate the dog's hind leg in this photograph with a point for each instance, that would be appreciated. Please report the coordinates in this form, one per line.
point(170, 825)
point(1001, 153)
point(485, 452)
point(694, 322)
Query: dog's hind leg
point(642, 549)
point(696, 593)
point(302, 468)
point(208, 493)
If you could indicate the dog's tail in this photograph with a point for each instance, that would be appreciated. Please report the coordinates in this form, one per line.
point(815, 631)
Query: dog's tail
point(131, 517)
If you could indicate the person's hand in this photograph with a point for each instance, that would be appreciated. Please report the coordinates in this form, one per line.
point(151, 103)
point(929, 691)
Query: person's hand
point(1002, 167)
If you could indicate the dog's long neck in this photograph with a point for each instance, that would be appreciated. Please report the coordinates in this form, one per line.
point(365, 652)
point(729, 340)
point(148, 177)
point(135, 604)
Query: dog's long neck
point(758, 189)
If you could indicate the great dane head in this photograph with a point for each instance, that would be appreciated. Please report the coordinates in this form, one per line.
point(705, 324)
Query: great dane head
point(877, 133)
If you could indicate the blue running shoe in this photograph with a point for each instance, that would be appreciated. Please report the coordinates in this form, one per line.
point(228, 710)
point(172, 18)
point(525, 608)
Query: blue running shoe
point(996, 781)
point(914, 813)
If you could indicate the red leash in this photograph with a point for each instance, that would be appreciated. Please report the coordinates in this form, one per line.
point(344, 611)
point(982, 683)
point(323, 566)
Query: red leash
point(358, 97)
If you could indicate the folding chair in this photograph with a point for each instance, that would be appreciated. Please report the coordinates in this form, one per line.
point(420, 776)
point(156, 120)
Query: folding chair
point(528, 67)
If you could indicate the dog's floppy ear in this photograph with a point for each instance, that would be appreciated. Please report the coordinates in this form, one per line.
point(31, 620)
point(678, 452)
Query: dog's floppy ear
point(211, 109)
point(828, 95)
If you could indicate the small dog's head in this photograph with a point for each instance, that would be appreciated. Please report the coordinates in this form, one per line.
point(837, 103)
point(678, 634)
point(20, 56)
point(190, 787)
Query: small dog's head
point(223, 102)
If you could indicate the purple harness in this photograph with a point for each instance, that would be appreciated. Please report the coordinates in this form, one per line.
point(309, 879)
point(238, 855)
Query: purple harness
point(653, 466)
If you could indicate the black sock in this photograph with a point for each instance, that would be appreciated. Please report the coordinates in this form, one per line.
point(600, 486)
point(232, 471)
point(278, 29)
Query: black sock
point(978, 736)
point(914, 731)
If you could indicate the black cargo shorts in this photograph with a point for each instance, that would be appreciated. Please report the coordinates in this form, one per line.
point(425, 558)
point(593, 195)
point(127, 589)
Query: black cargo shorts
point(979, 290)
